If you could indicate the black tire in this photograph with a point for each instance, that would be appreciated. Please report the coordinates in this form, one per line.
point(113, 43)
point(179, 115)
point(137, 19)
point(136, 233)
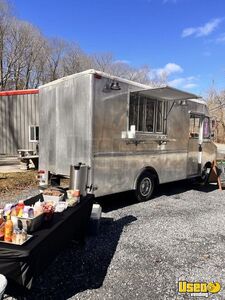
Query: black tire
point(205, 174)
point(145, 186)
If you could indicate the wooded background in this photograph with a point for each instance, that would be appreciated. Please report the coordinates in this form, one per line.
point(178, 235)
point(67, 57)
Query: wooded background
point(28, 59)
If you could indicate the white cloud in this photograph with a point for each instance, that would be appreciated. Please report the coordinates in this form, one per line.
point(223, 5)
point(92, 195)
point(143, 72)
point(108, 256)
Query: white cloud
point(167, 70)
point(221, 39)
point(190, 85)
point(204, 30)
point(122, 61)
point(170, 70)
point(176, 82)
point(184, 82)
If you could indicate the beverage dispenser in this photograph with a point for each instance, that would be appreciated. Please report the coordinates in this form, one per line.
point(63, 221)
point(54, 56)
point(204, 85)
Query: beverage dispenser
point(79, 178)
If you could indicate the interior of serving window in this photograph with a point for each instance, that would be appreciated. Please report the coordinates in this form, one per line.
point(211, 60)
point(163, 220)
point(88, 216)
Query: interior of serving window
point(147, 114)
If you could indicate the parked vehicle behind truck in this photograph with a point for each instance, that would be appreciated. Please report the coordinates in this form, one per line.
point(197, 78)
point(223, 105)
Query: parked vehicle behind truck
point(129, 135)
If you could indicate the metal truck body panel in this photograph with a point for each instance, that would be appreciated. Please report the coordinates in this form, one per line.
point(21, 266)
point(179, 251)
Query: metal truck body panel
point(83, 118)
point(18, 111)
point(65, 125)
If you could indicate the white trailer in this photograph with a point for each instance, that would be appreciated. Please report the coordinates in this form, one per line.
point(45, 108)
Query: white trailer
point(130, 135)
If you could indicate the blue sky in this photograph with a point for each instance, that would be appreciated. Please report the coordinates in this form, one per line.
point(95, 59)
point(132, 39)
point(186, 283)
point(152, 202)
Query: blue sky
point(184, 38)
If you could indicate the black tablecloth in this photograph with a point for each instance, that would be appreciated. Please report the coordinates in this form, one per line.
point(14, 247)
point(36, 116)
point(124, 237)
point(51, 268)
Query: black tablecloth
point(21, 263)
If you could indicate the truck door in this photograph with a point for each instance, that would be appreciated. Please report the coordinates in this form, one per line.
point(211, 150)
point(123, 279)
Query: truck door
point(195, 144)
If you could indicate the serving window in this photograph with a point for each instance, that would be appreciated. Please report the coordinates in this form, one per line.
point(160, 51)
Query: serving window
point(148, 115)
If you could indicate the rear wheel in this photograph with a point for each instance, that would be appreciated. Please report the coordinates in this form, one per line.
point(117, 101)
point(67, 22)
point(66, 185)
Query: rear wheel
point(145, 186)
point(205, 173)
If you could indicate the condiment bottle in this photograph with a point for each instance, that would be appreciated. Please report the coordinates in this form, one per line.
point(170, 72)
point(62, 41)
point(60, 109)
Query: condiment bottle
point(31, 212)
point(13, 211)
point(38, 208)
point(1, 216)
point(8, 229)
point(2, 225)
point(19, 208)
point(77, 195)
point(26, 211)
point(7, 209)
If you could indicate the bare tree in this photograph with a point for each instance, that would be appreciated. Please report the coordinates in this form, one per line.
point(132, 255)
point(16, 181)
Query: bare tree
point(28, 59)
point(33, 55)
point(56, 49)
point(5, 16)
point(107, 63)
point(216, 103)
point(103, 61)
point(75, 60)
point(39, 73)
point(24, 48)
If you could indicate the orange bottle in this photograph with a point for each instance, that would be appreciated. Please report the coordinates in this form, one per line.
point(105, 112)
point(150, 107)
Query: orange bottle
point(19, 208)
point(1, 216)
point(2, 225)
point(8, 229)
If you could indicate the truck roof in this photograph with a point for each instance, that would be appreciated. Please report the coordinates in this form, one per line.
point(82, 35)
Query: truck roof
point(191, 96)
point(93, 71)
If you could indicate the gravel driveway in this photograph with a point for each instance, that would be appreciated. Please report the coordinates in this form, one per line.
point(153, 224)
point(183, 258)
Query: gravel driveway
point(143, 249)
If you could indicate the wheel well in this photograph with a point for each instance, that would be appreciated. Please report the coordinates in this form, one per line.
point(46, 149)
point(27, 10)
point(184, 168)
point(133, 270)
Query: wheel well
point(146, 169)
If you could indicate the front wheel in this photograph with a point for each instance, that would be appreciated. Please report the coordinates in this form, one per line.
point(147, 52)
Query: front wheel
point(145, 186)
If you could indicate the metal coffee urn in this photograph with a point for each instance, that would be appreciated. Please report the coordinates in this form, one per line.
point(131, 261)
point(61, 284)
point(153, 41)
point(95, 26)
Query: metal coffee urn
point(79, 178)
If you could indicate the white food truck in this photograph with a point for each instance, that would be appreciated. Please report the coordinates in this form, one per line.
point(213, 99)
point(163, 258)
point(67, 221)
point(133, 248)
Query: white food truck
point(127, 135)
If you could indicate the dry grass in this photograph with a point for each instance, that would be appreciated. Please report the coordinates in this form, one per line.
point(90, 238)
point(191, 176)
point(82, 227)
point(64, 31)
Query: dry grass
point(18, 184)
point(13, 183)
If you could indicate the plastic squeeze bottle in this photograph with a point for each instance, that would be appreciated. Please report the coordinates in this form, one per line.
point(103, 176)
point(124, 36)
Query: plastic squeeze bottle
point(8, 229)
point(1, 216)
point(2, 225)
point(19, 208)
